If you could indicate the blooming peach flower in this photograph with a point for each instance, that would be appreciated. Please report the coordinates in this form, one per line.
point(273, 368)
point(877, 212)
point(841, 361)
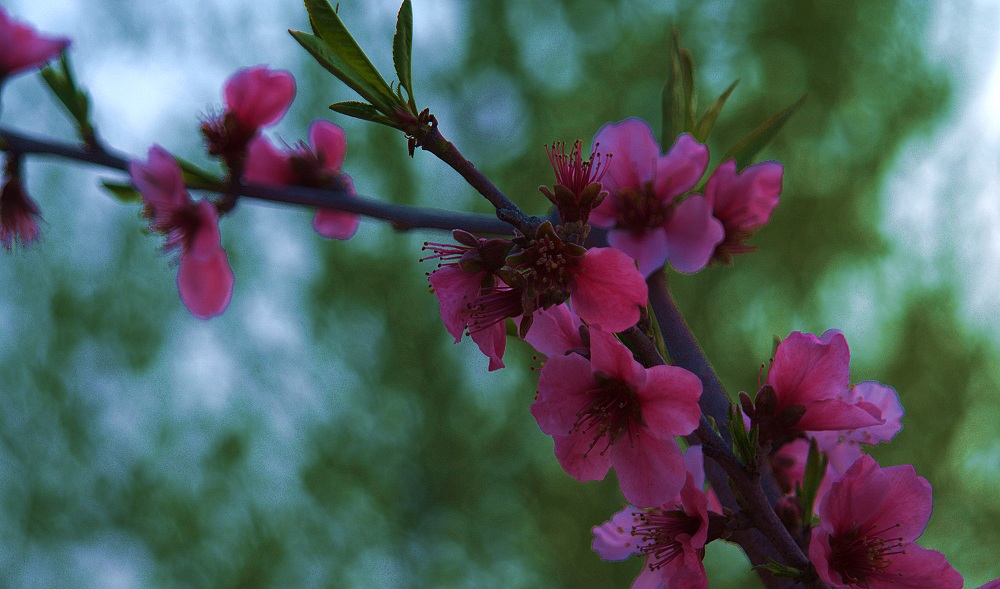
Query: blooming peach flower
point(610, 411)
point(317, 167)
point(256, 97)
point(204, 278)
point(18, 213)
point(743, 201)
point(644, 212)
point(869, 523)
point(22, 48)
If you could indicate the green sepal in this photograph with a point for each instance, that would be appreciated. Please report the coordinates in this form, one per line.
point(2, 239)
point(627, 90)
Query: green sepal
point(816, 464)
point(63, 85)
point(361, 110)
point(122, 191)
point(707, 121)
point(402, 51)
point(744, 442)
point(780, 570)
point(687, 86)
point(672, 102)
point(750, 146)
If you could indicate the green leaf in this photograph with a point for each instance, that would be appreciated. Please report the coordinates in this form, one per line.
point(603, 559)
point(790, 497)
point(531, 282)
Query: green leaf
point(122, 191)
point(780, 570)
point(380, 96)
point(687, 85)
point(361, 110)
point(707, 120)
point(816, 464)
point(351, 60)
point(750, 146)
point(77, 103)
point(402, 49)
point(672, 103)
point(195, 177)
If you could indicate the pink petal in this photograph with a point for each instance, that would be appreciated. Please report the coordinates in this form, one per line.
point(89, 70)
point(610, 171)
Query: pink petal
point(565, 387)
point(918, 568)
point(649, 579)
point(834, 414)
point(330, 143)
point(22, 47)
point(608, 292)
point(692, 234)
point(886, 399)
point(669, 401)
point(856, 499)
point(492, 341)
point(681, 168)
point(265, 164)
point(650, 471)
point(581, 457)
point(648, 248)
point(555, 331)
point(694, 464)
point(634, 154)
point(687, 571)
point(610, 357)
point(994, 584)
point(613, 540)
point(694, 502)
point(259, 96)
point(335, 224)
point(807, 368)
point(160, 182)
point(206, 240)
point(745, 200)
point(454, 287)
point(205, 283)
point(908, 502)
point(819, 555)
point(605, 215)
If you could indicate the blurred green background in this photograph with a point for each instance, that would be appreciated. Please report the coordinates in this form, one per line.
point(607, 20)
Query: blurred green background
point(324, 432)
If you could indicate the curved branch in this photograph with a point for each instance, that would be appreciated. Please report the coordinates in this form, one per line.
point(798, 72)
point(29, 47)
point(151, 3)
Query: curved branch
point(401, 217)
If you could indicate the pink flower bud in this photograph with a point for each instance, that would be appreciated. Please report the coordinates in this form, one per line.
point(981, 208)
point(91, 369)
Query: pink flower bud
point(22, 48)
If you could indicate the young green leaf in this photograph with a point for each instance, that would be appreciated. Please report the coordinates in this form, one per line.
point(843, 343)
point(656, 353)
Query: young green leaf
point(402, 49)
point(750, 146)
point(816, 464)
point(122, 191)
point(672, 103)
point(351, 60)
point(195, 177)
point(707, 120)
point(63, 85)
point(780, 570)
point(687, 80)
point(380, 96)
point(361, 110)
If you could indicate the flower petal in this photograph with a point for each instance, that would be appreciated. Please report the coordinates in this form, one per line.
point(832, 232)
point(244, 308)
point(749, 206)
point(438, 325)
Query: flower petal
point(265, 164)
point(807, 368)
point(613, 540)
point(634, 154)
point(650, 470)
point(259, 96)
point(745, 200)
point(680, 168)
point(608, 292)
point(886, 399)
point(582, 457)
point(692, 234)
point(454, 287)
point(205, 283)
point(330, 143)
point(648, 248)
point(610, 357)
point(669, 401)
point(555, 331)
point(492, 341)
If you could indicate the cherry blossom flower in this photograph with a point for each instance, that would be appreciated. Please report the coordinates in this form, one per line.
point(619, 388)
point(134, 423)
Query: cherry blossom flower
point(644, 212)
point(467, 273)
point(743, 201)
point(22, 48)
point(204, 278)
point(808, 390)
point(869, 523)
point(672, 536)
point(317, 167)
point(256, 97)
point(578, 181)
point(18, 213)
point(610, 411)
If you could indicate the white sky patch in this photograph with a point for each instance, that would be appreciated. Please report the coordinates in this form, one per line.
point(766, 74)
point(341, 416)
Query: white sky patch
point(203, 370)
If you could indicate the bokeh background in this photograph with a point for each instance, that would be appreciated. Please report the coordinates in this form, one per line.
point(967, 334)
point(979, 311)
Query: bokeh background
point(324, 432)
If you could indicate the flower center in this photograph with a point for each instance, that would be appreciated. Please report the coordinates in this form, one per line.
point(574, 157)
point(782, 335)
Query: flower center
point(572, 171)
point(657, 533)
point(860, 554)
point(639, 210)
point(612, 413)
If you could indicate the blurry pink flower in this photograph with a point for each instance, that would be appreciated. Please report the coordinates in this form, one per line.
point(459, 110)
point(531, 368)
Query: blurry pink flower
point(468, 273)
point(18, 213)
point(610, 411)
point(204, 278)
point(672, 536)
point(808, 389)
point(317, 167)
point(869, 523)
point(255, 97)
point(743, 201)
point(643, 213)
point(22, 48)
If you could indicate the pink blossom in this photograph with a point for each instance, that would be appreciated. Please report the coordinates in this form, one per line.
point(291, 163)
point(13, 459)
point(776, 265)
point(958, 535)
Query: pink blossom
point(869, 523)
point(468, 274)
point(578, 182)
point(743, 201)
point(204, 278)
point(808, 389)
point(610, 411)
point(672, 536)
point(557, 331)
point(317, 167)
point(18, 213)
point(644, 212)
point(256, 97)
point(22, 48)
